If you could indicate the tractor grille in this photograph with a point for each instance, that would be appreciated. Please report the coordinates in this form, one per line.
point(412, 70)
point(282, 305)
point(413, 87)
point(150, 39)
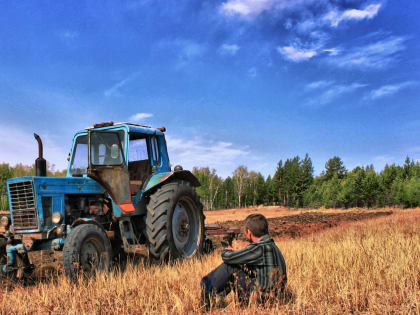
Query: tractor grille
point(23, 205)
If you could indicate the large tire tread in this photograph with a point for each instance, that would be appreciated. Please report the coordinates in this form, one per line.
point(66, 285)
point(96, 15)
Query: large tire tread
point(158, 214)
point(71, 250)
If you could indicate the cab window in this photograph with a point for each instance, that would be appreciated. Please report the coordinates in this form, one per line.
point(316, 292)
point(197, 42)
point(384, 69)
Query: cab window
point(137, 150)
point(139, 166)
point(155, 151)
point(107, 148)
point(79, 161)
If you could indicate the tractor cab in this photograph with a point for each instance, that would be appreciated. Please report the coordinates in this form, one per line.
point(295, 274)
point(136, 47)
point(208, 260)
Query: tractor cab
point(122, 157)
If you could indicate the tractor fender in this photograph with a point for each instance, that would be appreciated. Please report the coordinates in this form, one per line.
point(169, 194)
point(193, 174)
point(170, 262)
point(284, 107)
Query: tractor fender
point(158, 180)
point(81, 221)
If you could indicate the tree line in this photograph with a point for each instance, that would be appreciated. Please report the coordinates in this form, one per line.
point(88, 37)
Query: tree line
point(293, 185)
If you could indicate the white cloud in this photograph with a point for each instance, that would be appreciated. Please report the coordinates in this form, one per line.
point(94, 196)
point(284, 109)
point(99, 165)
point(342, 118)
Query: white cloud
point(373, 56)
point(227, 49)
point(140, 117)
point(332, 92)
point(319, 84)
point(115, 89)
point(246, 8)
point(388, 90)
point(250, 9)
point(332, 51)
point(338, 90)
point(296, 54)
point(23, 148)
point(335, 17)
point(221, 155)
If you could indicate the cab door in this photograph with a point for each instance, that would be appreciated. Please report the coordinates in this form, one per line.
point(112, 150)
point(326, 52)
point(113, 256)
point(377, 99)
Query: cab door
point(107, 166)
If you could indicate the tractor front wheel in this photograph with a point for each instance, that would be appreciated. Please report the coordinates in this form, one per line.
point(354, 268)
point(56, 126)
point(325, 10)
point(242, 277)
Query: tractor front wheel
point(87, 250)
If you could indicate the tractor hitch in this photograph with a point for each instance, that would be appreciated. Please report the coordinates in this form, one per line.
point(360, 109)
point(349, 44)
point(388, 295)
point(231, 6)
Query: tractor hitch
point(217, 236)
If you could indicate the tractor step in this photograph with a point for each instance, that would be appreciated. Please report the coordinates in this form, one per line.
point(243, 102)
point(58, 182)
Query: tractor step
point(137, 249)
point(130, 242)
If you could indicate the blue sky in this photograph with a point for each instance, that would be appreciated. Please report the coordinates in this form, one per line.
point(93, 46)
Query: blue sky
point(234, 81)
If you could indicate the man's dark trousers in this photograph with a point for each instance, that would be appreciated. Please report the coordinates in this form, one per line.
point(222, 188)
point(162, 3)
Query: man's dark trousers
point(222, 280)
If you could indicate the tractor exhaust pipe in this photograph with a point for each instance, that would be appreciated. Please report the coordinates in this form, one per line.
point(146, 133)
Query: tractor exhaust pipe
point(40, 162)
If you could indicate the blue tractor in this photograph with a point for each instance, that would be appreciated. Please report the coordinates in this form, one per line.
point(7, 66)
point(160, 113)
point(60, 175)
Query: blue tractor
point(120, 196)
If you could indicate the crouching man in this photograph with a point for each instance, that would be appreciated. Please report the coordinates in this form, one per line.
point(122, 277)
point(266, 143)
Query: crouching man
point(258, 267)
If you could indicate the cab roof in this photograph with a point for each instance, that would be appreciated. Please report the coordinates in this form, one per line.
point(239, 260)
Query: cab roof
point(130, 127)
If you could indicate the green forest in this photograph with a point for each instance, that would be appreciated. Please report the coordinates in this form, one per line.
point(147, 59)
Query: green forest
point(293, 185)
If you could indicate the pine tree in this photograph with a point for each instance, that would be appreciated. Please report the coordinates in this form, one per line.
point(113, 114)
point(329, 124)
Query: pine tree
point(334, 166)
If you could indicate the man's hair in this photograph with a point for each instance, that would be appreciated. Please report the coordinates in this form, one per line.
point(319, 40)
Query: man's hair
point(257, 224)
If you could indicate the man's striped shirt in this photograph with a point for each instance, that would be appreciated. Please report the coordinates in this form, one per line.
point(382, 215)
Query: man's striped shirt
point(263, 259)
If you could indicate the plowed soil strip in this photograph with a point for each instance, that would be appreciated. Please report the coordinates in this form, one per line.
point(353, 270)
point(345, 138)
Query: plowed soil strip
point(294, 226)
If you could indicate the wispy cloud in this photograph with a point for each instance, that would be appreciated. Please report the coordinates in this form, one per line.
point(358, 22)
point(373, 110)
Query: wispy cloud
point(69, 34)
point(227, 49)
point(388, 90)
point(319, 84)
point(220, 155)
point(183, 51)
point(250, 9)
point(306, 25)
point(252, 72)
point(68, 38)
point(337, 91)
point(332, 51)
point(246, 9)
point(378, 55)
point(188, 51)
point(191, 49)
point(335, 17)
point(115, 89)
point(140, 117)
point(296, 54)
point(332, 93)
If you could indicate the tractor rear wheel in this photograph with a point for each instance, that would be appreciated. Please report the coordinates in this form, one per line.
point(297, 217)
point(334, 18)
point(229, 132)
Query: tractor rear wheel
point(87, 250)
point(174, 222)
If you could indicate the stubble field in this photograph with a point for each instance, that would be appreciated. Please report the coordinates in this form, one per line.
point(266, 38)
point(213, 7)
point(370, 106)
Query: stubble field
point(361, 267)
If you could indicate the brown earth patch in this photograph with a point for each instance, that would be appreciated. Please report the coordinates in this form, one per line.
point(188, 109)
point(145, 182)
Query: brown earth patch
point(294, 226)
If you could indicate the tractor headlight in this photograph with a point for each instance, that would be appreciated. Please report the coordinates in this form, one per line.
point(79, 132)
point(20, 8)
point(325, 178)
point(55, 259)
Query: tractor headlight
point(4, 221)
point(57, 217)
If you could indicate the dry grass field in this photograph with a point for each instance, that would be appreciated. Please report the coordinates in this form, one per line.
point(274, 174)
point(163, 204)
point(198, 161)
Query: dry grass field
point(364, 267)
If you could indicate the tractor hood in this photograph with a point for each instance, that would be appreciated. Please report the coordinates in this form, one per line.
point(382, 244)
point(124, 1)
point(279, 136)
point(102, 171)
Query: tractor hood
point(33, 199)
point(58, 185)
